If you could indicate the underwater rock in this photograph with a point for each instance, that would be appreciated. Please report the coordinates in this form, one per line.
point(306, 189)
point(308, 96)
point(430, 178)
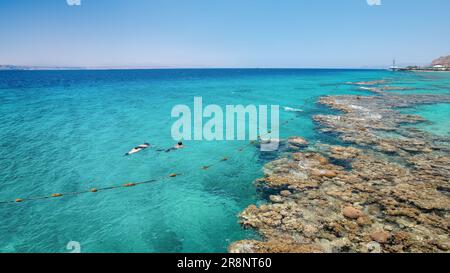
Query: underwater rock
point(248, 246)
point(386, 147)
point(276, 199)
point(285, 193)
point(324, 173)
point(397, 88)
point(352, 213)
point(380, 236)
point(376, 82)
point(297, 141)
point(364, 221)
point(372, 247)
point(421, 195)
point(343, 153)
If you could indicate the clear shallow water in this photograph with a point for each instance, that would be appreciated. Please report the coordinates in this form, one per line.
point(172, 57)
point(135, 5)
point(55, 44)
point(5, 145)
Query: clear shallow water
point(66, 131)
point(437, 116)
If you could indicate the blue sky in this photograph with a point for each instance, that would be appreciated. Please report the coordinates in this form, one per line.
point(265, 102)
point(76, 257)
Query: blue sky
point(223, 33)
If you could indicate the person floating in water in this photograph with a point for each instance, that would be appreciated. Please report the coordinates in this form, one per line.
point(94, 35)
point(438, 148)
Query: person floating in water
point(179, 145)
point(138, 149)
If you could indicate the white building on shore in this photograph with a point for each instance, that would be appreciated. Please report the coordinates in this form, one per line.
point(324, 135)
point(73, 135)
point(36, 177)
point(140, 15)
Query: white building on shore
point(440, 67)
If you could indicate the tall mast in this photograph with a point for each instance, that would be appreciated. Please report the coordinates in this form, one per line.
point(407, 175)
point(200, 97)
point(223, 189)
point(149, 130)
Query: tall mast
point(393, 67)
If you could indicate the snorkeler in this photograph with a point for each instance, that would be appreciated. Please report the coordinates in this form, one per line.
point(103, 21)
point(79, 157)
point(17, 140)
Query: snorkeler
point(138, 149)
point(179, 145)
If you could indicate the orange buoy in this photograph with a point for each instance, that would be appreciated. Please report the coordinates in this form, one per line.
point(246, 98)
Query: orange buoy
point(56, 195)
point(18, 200)
point(94, 190)
point(129, 185)
point(172, 175)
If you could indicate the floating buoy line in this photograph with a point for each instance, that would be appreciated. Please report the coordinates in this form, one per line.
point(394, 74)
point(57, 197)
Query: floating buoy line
point(114, 187)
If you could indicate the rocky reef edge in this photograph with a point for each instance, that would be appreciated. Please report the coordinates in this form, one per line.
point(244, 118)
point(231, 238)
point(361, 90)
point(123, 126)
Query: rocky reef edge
point(386, 189)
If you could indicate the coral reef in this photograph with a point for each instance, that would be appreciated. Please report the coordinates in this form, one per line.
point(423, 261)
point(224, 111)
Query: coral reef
point(388, 192)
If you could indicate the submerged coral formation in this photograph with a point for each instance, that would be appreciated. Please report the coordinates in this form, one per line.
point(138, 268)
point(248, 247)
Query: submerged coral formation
point(388, 191)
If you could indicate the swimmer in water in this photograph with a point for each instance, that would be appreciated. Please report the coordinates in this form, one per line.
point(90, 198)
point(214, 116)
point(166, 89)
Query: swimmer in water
point(138, 149)
point(179, 145)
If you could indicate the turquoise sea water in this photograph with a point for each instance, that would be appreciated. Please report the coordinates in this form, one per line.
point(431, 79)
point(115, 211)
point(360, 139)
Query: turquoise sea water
point(67, 131)
point(437, 116)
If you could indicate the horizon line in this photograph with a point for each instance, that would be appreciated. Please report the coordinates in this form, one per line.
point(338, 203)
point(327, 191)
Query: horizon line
point(31, 68)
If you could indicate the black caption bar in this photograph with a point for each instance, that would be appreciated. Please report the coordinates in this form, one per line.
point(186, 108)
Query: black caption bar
point(223, 262)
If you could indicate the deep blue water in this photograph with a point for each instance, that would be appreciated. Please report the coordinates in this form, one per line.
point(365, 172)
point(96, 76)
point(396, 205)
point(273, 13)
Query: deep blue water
point(67, 131)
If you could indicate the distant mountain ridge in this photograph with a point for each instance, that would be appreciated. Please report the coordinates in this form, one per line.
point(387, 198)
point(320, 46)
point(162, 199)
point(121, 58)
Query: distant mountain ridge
point(19, 67)
point(445, 61)
point(25, 67)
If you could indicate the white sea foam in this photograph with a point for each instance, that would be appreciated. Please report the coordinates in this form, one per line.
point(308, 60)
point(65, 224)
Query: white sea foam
point(290, 109)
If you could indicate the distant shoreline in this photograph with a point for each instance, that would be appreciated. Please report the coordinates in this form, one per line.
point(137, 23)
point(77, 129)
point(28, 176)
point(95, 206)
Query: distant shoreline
point(186, 68)
point(428, 71)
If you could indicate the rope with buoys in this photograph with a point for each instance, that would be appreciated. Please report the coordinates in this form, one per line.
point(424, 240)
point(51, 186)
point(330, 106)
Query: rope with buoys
point(126, 185)
point(92, 190)
point(226, 158)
